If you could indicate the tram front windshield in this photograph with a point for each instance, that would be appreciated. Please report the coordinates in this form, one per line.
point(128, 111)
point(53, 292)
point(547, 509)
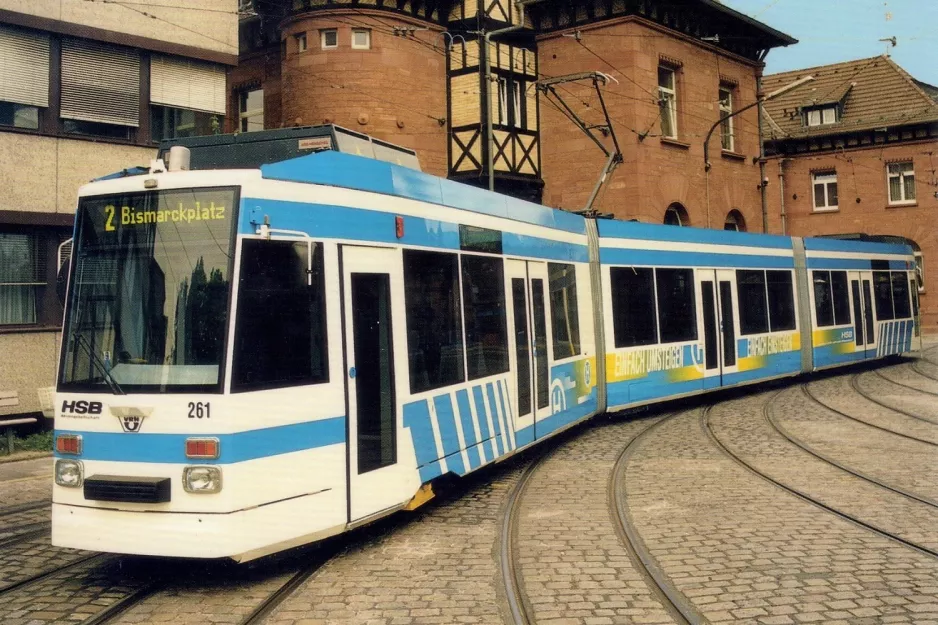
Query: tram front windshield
point(148, 302)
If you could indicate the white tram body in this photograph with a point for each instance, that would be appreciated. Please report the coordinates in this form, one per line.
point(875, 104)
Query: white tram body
point(258, 359)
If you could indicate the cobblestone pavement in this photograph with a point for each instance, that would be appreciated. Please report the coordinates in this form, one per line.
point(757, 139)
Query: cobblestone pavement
point(575, 570)
point(916, 403)
point(901, 462)
point(837, 393)
point(438, 568)
point(739, 548)
point(744, 550)
point(905, 374)
point(741, 426)
point(25, 482)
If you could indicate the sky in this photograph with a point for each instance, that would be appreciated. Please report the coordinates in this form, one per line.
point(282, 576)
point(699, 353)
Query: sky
point(831, 31)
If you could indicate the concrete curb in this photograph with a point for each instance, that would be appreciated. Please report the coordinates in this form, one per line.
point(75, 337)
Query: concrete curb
point(25, 455)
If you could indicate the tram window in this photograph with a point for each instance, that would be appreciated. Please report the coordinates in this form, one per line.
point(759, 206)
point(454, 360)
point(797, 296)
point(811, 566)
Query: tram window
point(781, 300)
point(914, 292)
point(882, 294)
point(840, 298)
point(633, 306)
point(753, 309)
point(677, 308)
point(474, 239)
point(823, 305)
point(434, 319)
point(483, 287)
point(280, 335)
point(563, 310)
point(900, 295)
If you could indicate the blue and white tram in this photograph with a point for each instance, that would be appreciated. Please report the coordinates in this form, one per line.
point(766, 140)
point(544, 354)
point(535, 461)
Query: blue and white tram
point(257, 359)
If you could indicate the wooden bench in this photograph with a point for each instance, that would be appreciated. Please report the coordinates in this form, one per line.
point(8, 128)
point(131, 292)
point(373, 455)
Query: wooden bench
point(8, 399)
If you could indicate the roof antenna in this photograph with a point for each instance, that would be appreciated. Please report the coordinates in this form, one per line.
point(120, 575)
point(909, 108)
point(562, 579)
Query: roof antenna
point(889, 40)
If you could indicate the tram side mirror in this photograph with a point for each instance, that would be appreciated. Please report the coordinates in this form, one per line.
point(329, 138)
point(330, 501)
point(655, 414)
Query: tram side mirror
point(65, 263)
point(61, 280)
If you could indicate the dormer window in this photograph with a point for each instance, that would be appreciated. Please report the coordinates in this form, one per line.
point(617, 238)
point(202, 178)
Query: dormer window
point(821, 116)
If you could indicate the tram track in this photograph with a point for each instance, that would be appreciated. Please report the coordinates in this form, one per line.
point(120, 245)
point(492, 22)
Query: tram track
point(917, 389)
point(806, 389)
point(23, 507)
point(768, 414)
point(658, 581)
point(43, 575)
point(276, 598)
point(917, 368)
point(855, 383)
point(719, 444)
point(519, 607)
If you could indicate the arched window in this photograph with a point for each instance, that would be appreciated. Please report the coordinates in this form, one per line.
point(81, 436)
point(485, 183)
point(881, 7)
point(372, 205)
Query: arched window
point(735, 221)
point(676, 215)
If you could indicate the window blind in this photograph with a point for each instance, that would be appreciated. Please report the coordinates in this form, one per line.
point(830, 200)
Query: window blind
point(187, 84)
point(100, 83)
point(24, 68)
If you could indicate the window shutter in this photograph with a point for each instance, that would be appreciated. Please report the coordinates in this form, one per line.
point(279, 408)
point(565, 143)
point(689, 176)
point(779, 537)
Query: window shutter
point(24, 68)
point(187, 84)
point(100, 83)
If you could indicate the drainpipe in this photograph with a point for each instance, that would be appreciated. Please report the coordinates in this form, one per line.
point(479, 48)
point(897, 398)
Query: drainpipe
point(489, 135)
point(763, 180)
point(781, 192)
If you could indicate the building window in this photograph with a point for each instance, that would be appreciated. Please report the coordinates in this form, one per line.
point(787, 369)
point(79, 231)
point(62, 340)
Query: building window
point(21, 275)
point(825, 190)
point(509, 102)
point(167, 122)
point(95, 129)
point(19, 115)
point(735, 221)
point(901, 178)
point(822, 116)
point(300, 42)
point(329, 38)
point(24, 77)
point(251, 110)
point(667, 102)
point(676, 215)
point(726, 125)
point(361, 39)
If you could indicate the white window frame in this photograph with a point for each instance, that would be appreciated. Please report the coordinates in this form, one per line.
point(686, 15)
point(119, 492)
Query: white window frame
point(668, 95)
point(901, 175)
point(726, 126)
point(828, 119)
point(361, 31)
point(824, 179)
point(503, 101)
point(821, 116)
point(325, 32)
point(301, 42)
point(244, 115)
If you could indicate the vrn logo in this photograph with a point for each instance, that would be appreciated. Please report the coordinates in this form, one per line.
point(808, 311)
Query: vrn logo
point(81, 407)
point(131, 423)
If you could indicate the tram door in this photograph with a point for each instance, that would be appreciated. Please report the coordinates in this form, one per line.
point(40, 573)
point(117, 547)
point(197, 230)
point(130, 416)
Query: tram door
point(527, 297)
point(861, 303)
point(373, 313)
point(717, 301)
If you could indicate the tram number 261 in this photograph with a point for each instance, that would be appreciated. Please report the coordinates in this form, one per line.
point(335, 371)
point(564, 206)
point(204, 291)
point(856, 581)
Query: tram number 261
point(199, 410)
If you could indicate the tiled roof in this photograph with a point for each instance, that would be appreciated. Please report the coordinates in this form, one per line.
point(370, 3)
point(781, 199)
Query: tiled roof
point(875, 93)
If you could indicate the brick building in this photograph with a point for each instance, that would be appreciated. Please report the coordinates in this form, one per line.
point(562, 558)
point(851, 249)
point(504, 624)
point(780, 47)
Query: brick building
point(86, 89)
point(854, 151)
point(414, 73)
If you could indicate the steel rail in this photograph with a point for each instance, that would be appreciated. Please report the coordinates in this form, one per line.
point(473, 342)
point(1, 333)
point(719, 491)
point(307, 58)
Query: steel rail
point(805, 388)
point(854, 382)
point(677, 604)
point(768, 414)
point(705, 424)
point(898, 383)
point(266, 607)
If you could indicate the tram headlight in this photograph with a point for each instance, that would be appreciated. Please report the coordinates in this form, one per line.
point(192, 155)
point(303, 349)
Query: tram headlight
point(68, 473)
point(201, 479)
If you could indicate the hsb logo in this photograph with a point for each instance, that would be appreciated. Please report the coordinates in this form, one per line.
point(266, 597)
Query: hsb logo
point(82, 407)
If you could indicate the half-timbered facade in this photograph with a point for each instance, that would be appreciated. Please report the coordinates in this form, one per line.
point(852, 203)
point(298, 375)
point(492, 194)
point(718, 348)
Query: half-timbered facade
point(457, 80)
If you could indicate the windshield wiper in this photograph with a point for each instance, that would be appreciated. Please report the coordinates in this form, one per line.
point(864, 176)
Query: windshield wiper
point(99, 365)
